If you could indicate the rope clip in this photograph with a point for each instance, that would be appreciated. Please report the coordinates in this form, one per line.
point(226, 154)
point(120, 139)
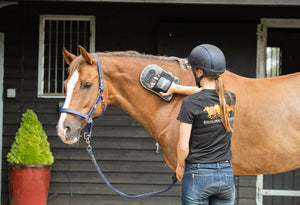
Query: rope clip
point(87, 137)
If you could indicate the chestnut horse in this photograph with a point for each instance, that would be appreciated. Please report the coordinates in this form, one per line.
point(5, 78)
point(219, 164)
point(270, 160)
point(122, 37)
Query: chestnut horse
point(266, 136)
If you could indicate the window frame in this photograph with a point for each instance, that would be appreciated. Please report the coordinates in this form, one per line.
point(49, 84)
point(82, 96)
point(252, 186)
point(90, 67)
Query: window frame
point(41, 60)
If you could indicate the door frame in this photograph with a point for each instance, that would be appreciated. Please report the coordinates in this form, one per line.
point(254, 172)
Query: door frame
point(262, 39)
point(1, 98)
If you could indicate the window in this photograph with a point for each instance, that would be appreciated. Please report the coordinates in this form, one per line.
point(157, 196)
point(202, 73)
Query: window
point(57, 32)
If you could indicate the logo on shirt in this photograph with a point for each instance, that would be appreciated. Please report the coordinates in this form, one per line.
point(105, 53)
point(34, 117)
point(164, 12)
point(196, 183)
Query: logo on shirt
point(214, 112)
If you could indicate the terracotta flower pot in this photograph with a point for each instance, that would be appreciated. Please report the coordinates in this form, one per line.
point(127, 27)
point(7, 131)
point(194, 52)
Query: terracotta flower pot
point(29, 185)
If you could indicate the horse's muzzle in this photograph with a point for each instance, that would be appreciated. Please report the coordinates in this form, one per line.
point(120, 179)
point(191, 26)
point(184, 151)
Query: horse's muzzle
point(69, 133)
point(65, 138)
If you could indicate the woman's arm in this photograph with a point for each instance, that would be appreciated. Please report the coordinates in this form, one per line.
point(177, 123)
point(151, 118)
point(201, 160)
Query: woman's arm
point(180, 89)
point(182, 148)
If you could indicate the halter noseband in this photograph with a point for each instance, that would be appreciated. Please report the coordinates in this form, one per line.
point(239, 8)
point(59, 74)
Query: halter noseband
point(88, 116)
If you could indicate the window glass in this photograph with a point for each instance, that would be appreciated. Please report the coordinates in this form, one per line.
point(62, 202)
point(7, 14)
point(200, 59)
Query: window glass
point(273, 61)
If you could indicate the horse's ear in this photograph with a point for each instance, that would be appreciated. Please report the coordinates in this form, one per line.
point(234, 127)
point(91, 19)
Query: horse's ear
point(88, 57)
point(69, 57)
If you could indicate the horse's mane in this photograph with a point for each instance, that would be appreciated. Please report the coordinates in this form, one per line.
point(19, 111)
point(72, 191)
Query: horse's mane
point(180, 61)
point(134, 54)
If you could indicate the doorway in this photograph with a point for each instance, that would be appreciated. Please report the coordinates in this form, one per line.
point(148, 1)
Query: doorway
point(277, 54)
point(287, 40)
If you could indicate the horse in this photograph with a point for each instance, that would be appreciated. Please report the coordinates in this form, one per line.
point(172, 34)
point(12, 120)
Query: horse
point(266, 136)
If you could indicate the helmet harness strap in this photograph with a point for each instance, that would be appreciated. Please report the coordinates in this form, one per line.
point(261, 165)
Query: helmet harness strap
point(197, 79)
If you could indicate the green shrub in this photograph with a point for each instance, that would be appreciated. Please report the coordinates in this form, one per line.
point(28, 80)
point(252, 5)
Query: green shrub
point(30, 146)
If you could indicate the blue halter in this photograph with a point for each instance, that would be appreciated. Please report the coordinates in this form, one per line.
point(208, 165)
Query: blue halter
point(88, 116)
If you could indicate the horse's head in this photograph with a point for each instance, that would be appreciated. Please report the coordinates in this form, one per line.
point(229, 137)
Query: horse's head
point(82, 89)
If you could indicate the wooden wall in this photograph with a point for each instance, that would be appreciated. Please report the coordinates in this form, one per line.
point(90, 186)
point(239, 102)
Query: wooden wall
point(125, 150)
point(283, 181)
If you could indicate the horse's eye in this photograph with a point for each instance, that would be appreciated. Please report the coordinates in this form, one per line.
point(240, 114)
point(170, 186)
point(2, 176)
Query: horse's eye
point(85, 85)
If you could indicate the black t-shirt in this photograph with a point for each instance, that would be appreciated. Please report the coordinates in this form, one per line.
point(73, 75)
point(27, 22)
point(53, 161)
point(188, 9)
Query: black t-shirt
point(209, 141)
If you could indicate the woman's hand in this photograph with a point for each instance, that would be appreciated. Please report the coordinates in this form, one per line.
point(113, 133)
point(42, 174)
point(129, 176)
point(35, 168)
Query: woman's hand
point(170, 91)
point(179, 172)
point(180, 89)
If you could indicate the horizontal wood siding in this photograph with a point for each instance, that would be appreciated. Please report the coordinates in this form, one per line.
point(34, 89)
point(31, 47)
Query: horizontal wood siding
point(124, 149)
point(284, 181)
point(126, 153)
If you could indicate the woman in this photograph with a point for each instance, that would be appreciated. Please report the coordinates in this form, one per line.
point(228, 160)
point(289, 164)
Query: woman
point(204, 146)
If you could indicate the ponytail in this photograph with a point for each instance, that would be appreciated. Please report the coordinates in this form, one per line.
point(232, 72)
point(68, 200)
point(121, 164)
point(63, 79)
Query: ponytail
point(223, 105)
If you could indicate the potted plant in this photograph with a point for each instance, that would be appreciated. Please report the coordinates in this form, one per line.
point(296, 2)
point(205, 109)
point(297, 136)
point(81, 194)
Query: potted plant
point(30, 161)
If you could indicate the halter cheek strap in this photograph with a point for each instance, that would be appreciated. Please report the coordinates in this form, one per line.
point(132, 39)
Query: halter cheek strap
point(88, 116)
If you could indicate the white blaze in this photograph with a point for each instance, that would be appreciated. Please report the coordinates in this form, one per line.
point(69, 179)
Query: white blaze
point(70, 88)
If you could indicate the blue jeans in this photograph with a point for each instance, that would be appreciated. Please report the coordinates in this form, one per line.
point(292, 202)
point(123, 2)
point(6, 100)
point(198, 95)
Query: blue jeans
point(208, 184)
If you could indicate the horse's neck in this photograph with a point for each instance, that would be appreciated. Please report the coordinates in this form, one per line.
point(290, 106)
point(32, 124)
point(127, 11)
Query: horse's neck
point(125, 91)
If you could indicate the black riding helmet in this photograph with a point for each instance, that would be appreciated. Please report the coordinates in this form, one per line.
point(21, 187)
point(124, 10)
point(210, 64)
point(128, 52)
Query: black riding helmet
point(209, 58)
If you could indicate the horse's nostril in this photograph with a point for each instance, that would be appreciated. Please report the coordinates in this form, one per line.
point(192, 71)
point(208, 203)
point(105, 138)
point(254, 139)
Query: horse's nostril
point(68, 129)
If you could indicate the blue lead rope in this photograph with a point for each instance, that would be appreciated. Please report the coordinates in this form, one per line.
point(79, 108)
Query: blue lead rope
point(90, 151)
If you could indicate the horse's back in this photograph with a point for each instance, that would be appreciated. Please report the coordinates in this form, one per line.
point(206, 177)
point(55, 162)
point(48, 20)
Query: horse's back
point(266, 135)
